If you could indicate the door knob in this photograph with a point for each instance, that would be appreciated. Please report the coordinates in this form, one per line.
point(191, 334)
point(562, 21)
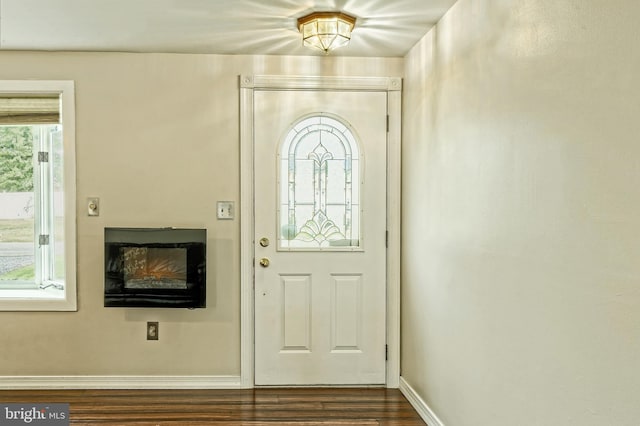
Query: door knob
point(264, 242)
point(264, 262)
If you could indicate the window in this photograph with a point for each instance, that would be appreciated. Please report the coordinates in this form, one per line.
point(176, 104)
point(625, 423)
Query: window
point(37, 196)
point(319, 207)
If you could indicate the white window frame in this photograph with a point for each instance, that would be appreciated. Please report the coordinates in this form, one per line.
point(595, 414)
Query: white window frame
point(52, 298)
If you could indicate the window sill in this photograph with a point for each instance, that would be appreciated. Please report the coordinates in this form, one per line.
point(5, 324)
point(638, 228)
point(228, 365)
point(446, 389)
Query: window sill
point(36, 300)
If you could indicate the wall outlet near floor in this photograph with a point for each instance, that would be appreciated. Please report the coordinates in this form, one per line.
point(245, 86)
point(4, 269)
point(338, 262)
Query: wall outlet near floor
point(152, 330)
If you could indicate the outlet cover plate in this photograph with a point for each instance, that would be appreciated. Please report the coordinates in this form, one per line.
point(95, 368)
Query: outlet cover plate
point(152, 330)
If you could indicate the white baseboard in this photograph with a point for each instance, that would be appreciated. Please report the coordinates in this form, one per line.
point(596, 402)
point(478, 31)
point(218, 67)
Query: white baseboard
point(418, 403)
point(120, 382)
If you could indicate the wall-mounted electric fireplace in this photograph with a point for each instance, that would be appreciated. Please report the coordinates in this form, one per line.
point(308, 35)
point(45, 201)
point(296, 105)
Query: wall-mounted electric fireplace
point(155, 267)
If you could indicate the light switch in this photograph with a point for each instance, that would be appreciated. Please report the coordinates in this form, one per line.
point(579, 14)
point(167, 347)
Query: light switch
point(225, 210)
point(93, 206)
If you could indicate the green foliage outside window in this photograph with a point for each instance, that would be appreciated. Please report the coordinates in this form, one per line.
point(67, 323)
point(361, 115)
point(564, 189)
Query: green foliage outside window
point(16, 159)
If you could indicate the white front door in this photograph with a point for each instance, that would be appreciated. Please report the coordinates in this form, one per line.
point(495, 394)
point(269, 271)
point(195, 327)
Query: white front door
point(320, 251)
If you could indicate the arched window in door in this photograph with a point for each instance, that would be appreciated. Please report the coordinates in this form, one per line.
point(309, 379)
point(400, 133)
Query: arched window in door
point(319, 186)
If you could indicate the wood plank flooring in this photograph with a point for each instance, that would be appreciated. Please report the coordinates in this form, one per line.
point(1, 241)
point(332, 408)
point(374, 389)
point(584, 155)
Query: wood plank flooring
point(255, 407)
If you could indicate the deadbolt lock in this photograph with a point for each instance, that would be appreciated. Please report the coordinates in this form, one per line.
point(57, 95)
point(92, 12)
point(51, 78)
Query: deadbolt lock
point(264, 242)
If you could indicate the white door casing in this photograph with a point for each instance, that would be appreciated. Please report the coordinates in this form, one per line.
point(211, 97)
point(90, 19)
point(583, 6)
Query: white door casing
point(342, 325)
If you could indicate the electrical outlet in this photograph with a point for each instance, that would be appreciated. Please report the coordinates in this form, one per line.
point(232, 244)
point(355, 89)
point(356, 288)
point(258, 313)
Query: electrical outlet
point(152, 330)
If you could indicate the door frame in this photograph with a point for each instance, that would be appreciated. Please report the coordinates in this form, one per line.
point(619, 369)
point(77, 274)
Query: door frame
point(249, 84)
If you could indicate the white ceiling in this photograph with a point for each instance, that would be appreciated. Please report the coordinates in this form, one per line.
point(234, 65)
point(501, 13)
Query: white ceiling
point(387, 28)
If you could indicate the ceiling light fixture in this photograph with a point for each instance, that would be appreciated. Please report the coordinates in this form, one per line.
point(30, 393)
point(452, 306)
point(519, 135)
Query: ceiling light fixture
point(326, 30)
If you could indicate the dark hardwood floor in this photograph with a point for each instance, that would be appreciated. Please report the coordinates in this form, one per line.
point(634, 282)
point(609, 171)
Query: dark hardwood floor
point(256, 407)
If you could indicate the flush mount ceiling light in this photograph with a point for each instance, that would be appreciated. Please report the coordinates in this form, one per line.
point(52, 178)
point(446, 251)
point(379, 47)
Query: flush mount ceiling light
point(326, 30)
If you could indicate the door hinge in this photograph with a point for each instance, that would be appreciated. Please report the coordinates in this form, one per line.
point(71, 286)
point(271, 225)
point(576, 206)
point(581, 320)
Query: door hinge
point(386, 239)
point(43, 157)
point(386, 352)
point(387, 123)
point(43, 240)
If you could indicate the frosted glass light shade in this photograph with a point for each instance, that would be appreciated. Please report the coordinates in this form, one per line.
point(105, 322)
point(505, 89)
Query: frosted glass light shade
point(326, 30)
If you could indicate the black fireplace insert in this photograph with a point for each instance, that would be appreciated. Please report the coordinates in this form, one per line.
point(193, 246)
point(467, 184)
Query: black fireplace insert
point(155, 267)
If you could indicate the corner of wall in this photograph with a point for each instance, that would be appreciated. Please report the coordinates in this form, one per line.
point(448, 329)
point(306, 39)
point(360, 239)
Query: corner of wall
point(427, 414)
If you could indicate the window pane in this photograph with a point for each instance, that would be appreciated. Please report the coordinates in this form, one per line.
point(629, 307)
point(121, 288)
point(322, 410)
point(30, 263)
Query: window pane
point(319, 186)
point(57, 179)
point(17, 205)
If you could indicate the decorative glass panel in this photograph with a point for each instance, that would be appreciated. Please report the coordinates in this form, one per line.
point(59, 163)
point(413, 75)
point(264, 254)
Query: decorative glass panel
point(319, 207)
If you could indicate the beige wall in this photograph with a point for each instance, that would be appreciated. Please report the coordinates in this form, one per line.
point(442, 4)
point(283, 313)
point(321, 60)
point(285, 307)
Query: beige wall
point(158, 142)
point(521, 224)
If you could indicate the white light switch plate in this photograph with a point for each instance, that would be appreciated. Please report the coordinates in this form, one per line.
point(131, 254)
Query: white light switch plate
point(225, 210)
point(93, 206)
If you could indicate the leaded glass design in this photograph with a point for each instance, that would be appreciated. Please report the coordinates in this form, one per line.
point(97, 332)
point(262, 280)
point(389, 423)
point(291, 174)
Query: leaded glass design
point(319, 206)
